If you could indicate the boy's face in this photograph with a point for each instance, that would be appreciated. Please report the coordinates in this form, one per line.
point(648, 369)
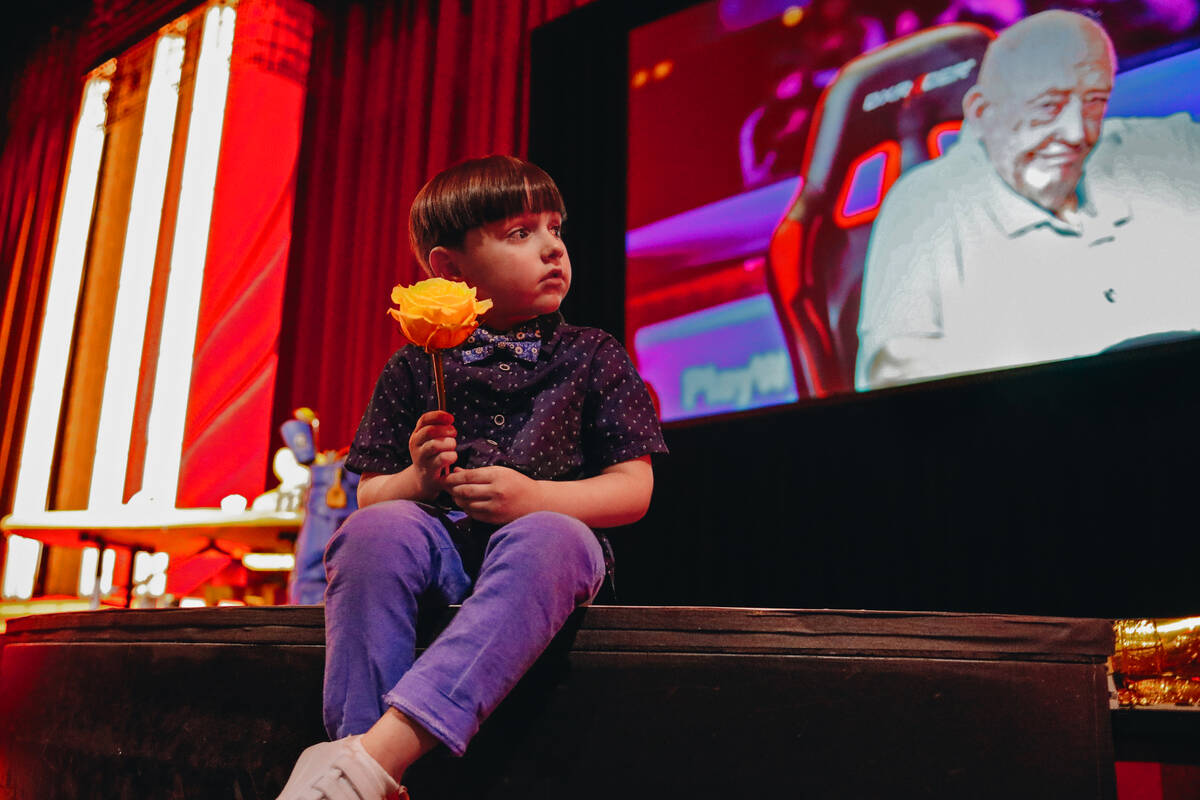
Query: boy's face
point(519, 263)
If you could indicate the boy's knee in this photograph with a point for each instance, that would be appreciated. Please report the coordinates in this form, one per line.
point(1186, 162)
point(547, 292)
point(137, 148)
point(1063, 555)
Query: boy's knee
point(378, 534)
point(560, 543)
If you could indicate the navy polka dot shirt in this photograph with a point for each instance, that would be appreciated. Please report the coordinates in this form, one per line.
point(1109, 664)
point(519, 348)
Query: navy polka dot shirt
point(580, 407)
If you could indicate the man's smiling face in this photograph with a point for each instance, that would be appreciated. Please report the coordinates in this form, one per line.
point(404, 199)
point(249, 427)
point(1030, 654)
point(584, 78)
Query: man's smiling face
point(1041, 107)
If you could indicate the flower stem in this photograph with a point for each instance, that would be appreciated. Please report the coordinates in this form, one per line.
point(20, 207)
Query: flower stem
point(439, 378)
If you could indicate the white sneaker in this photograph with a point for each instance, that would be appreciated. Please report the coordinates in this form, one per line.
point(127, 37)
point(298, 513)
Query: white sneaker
point(340, 770)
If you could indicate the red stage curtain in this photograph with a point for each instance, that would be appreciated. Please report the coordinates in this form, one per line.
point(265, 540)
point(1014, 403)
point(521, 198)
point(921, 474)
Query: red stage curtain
point(397, 91)
point(45, 101)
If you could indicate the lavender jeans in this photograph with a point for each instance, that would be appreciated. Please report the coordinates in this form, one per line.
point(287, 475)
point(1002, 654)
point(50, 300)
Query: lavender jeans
point(389, 557)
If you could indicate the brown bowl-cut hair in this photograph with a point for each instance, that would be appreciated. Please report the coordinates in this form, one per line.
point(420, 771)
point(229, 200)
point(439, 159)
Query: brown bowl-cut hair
point(475, 193)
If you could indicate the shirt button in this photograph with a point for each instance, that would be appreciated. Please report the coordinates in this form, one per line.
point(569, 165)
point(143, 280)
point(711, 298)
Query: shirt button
point(506, 367)
point(498, 419)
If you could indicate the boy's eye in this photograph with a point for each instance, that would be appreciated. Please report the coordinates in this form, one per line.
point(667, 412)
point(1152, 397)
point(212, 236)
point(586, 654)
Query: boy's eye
point(518, 233)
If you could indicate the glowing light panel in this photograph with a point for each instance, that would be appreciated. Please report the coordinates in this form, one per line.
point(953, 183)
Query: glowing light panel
point(168, 410)
point(90, 559)
point(150, 573)
point(866, 185)
point(87, 571)
point(20, 566)
point(58, 329)
point(137, 272)
point(941, 137)
point(730, 357)
point(62, 299)
point(281, 562)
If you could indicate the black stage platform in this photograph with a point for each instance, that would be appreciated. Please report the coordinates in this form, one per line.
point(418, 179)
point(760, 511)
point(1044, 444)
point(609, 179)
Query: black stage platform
point(629, 702)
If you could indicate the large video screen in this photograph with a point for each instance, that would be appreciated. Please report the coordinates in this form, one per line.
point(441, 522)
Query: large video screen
point(808, 213)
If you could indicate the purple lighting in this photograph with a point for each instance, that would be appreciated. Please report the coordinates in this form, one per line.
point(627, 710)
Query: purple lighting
point(730, 357)
point(866, 187)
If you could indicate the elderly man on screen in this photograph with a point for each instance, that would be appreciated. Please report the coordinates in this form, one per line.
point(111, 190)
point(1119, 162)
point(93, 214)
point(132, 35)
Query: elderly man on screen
point(1046, 232)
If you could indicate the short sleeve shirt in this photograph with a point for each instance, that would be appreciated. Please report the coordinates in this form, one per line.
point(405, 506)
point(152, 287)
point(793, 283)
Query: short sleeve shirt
point(579, 408)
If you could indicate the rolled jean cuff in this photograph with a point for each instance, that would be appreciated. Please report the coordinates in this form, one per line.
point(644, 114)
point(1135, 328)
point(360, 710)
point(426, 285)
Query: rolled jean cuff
point(421, 701)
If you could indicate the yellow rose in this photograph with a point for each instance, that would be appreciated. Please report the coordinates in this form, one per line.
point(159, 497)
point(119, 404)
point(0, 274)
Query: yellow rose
point(436, 313)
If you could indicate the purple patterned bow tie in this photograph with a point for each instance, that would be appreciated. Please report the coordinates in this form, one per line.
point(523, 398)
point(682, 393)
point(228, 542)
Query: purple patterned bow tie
point(524, 343)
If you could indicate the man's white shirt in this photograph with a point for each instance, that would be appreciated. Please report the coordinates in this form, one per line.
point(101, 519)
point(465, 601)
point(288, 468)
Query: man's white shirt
point(963, 274)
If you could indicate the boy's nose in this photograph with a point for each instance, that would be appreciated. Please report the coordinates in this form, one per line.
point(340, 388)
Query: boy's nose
point(553, 249)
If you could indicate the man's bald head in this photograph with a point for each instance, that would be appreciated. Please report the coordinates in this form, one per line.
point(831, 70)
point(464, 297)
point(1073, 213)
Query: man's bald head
point(1023, 53)
point(1039, 102)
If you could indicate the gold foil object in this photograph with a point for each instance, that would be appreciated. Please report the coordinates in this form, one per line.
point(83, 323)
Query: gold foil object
point(1157, 662)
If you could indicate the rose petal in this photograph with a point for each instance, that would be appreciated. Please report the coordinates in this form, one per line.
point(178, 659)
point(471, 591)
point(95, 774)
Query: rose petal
point(437, 313)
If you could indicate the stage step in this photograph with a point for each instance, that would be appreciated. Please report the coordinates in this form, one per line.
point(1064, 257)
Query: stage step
point(628, 702)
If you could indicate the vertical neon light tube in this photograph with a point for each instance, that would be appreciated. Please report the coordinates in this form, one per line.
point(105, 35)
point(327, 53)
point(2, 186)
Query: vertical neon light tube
point(62, 300)
point(20, 566)
point(137, 272)
point(92, 559)
point(168, 411)
point(58, 329)
point(88, 561)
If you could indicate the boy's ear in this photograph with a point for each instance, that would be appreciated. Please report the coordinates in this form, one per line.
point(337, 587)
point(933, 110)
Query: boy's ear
point(441, 264)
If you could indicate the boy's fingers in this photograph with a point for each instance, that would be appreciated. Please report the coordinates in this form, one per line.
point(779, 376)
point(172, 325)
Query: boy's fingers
point(462, 477)
point(435, 432)
point(433, 446)
point(424, 436)
point(435, 418)
point(433, 456)
point(469, 492)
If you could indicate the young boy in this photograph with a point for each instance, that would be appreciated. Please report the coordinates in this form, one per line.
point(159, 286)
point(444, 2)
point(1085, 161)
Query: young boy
point(491, 505)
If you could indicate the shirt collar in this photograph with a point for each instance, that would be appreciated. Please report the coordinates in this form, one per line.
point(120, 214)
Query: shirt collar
point(1016, 215)
point(549, 326)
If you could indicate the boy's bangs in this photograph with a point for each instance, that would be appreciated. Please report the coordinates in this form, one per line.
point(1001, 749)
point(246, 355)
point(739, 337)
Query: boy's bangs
point(476, 193)
point(506, 190)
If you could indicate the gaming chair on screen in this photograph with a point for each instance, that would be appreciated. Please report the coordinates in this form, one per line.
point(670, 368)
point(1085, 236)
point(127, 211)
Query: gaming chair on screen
point(886, 111)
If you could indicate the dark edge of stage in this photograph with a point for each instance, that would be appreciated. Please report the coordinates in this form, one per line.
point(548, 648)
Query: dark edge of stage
point(627, 701)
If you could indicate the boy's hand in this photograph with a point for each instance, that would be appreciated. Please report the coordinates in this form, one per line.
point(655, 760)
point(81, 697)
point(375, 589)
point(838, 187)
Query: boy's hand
point(494, 494)
point(432, 448)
